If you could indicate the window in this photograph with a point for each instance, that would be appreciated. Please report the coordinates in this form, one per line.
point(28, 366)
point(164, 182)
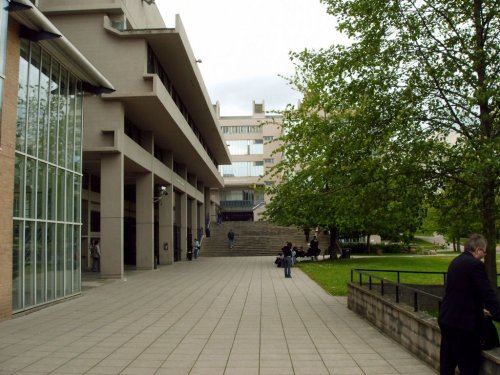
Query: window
point(242, 129)
point(246, 147)
point(243, 169)
point(3, 48)
point(269, 161)
point(47, 180)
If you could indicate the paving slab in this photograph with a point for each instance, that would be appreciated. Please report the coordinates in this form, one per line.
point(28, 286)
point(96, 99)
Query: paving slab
point(234, 315)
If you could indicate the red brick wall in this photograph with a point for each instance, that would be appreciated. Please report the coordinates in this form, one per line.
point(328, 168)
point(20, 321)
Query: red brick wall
point(7, 153)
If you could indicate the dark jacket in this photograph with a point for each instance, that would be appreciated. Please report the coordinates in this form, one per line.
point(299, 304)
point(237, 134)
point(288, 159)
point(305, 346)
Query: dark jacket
point(287, 251)
point(467, 293)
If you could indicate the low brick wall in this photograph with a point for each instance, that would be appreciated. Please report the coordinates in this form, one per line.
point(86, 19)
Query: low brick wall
point(416, 331)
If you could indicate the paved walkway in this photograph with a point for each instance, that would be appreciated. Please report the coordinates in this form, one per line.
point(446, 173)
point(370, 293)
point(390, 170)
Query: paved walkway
point(227, 316)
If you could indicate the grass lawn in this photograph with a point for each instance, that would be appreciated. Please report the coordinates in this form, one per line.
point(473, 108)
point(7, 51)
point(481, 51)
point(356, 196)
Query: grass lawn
point(333, 276)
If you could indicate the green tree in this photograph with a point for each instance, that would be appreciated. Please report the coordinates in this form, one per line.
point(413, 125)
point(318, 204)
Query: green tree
point(420, 81)
point(447, 52)
point(344, 167)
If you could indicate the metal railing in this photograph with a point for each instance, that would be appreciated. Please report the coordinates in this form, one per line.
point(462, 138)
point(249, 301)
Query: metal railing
point(413, 296)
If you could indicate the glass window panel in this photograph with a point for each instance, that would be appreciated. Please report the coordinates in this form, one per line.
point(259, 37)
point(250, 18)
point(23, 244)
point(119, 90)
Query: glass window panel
point(257, 148)
point(41, 200)
point(17, 265)
point(19, 186)
point(54, 110)
point(30, 186)
point(51, 192)
point(69, 201)
point(61, 201)
point(77, 248)
point(22, 97)
point(40, 263)
point(76, 199)
point(29, 263)
point(78, 129)
point(51, 261)
point(33, 91)
point(4, 16)
point(71, 123)
point(60, 261)
point(85, 217)
point(63, 118)
point(44, 109)
point(238, 147)
point(68, 269)
point(242, 169)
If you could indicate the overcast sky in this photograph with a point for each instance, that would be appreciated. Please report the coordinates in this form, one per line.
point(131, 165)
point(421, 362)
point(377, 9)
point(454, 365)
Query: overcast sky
point(244, 46)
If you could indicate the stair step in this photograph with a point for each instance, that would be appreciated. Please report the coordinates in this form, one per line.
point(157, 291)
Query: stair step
point(254, 238)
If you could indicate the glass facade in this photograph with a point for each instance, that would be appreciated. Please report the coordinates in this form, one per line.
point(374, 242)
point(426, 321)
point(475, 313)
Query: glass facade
point(241, 129)
point(3, 48)
point(243, 169)
point(246, 147)
point(47, 182)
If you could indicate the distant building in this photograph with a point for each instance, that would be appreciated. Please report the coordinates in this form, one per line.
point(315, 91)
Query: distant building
point(252, 141)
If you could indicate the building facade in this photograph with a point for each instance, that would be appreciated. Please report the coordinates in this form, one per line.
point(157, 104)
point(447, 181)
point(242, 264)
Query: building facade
point(43, 77)
point(252, 142)
point(111, 136)
point(151, 148)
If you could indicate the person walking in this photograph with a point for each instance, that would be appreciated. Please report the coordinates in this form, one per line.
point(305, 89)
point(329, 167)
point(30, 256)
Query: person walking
point(95, 253)
point(468, 296)
point(314, 246)
point(287, 259)
point(230, 238)
point(196, 248)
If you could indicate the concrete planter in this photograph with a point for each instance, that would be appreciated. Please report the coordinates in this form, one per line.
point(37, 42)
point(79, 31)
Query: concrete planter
point(416, 331)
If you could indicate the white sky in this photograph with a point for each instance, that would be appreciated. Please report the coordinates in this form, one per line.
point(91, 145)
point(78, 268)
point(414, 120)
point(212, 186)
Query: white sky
point(244, 46)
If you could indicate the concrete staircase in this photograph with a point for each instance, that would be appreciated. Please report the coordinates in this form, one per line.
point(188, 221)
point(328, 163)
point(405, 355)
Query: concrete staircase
point(254, 238)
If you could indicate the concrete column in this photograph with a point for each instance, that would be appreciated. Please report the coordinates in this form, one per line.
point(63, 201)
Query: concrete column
point(208, 207)
point(183, 224)
point(166, 225)
point(201, 218)
point(201, 209)
point(112, 215)
point(144, 221)
point(194, 218)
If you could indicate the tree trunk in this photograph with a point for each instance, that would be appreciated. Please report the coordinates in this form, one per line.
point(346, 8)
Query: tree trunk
point(489, 232)
point(488, 187)
point(334, 243)
point(368, 248)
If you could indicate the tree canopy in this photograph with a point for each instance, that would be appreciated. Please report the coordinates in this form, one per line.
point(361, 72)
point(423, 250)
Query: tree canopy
point(405, 116)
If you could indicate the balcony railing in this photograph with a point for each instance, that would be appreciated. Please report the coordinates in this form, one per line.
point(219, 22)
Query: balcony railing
point(249, 205)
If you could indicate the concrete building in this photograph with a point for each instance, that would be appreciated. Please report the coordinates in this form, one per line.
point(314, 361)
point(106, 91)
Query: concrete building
point(141, 174)
point(151, 149)
point(43, 78)
point(252, 142)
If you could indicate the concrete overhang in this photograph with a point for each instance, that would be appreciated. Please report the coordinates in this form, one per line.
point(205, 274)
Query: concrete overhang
point(172, 48)
point(60, 47)
point(171, 132)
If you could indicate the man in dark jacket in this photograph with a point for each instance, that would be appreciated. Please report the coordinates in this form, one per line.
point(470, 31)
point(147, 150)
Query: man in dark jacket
point(468, 293)
point(287, 259)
